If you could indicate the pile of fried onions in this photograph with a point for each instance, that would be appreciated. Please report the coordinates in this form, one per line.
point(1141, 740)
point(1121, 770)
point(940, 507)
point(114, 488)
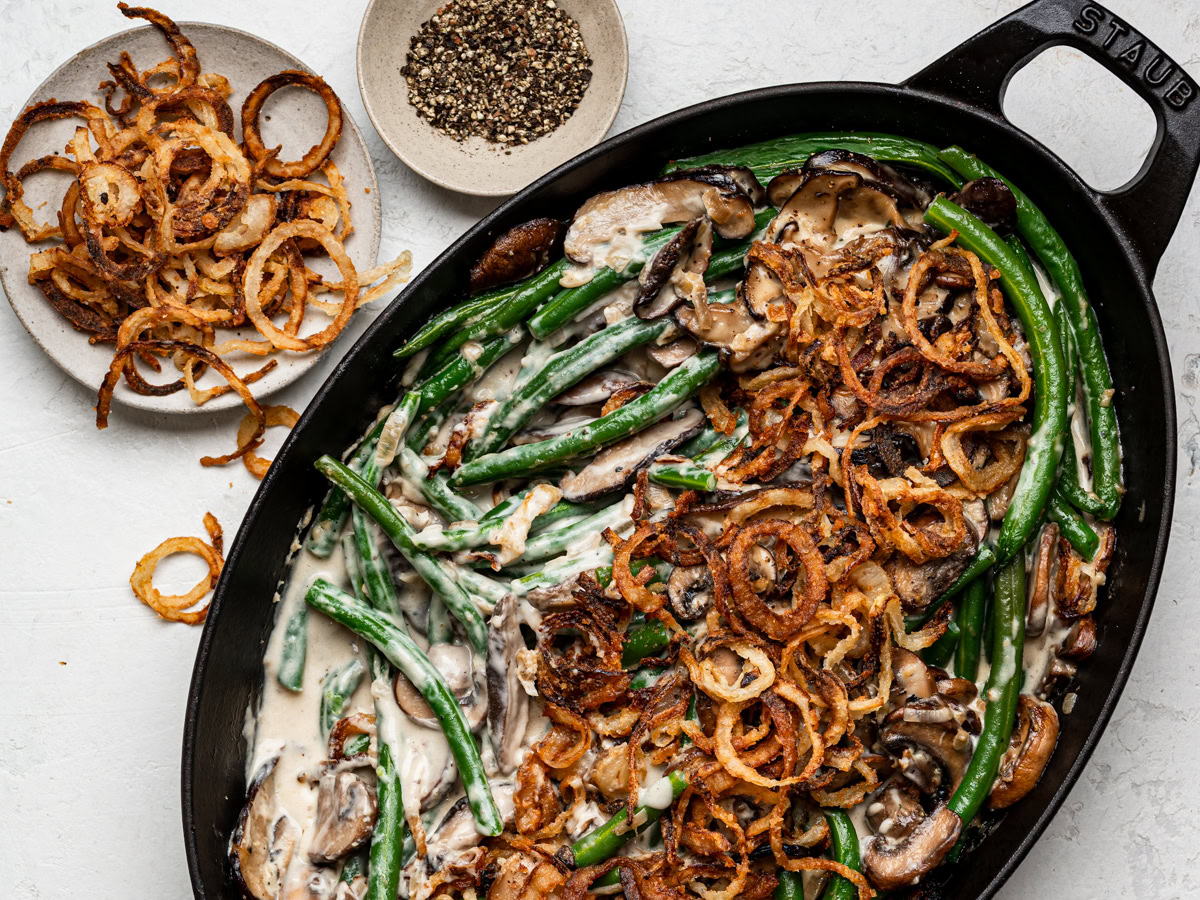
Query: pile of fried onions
point(177, 242)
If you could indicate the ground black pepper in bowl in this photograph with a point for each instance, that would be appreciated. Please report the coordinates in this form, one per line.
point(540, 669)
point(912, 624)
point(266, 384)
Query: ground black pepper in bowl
point(508, 71)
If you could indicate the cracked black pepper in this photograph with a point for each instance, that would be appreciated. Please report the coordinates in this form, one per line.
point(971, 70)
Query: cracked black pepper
point(508, 71)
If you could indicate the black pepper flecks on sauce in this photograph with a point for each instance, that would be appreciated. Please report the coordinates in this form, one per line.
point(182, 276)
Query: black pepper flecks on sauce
point(508, 71)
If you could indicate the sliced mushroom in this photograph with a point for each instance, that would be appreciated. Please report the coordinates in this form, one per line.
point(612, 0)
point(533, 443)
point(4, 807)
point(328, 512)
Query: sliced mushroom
point(345, 816)
point(262, 844)
point(673, 354)
point(1080, 642)
point(454, 833)
point(744, 342)
point(640, 208)
point(1039, 580)
point(308, 882)
point(1057, 677)
point(742, 177)
point(690, 591)
point(676, 272)
point(508, 705)
point(596, 388)
point(760, 290)
point(891, 865)
point(1029, 750)
point(919, 584)
point(824, 207)
point(896, 811)
point(615, 467)
point(991, 200)
point(912, 675)
point(904, 188)
point(927, 738)
point(521, 251)
point(456, 664)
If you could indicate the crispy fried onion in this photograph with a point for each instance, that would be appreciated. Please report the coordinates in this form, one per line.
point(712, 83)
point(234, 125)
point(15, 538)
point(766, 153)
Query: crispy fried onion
point(318, 153)
point(176, 607)
point(797, 565)
point(927, 522)
point(274, 415)
point(996, 452)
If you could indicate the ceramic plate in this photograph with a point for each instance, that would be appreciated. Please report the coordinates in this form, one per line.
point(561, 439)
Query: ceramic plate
point(292, 117)
point(475, 166)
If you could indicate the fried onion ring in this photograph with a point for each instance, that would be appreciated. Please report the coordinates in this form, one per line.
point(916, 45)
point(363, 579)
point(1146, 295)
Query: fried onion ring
point(318, 153)
point(174, 607)
point(273, 415)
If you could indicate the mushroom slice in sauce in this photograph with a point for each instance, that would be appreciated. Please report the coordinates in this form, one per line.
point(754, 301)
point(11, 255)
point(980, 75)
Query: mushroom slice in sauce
point(508, 705)
point(912, 675)
point(896, 811)
point(690, 591)
point(891, 865)
point(456, 664)
point(927, 738)
point(826, 207)
point(904, 189)
point(744, 342)
point(596, 388)
point(1039, 580)
point(741, 177)
point(261, 847)
point(345, 816)
point(1029, 750)
point(615, 467)
point(612, 215)
point(676, 272)
point(521, 251)
point(673, 354)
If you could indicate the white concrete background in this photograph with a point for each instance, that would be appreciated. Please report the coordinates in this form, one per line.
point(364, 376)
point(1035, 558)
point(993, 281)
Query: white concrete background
point(93, 685)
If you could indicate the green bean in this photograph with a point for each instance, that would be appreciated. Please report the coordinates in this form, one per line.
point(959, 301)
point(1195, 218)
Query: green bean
point(1038, 473)
point(293, 652)
point(468, 536)
point(605, 840)
point(406, 656)
point(504, 315)
point(679, 384)
point(354, 866)
point(971, 611)
point(560, 540)
point(984, 559)
point(331, 517)
point(1001, 692)
point(942, 650)
point(643, 641)
point(394, 428)
point(450, 506)
point(395, 527)
point(697, 474)
point(768, 158)
point(438, 628)
point(561, 371)
point(477, 583)
point(387, 841)
point(1049, 247)
point(376, 576)
point(559, 570)
point(791, 886)
point(567, 305)
point(426, 427)
point(337, 687)
point(457, 371)
point(1072, 526)
point(843, 840)
point(1069, 484)
point(463, 314)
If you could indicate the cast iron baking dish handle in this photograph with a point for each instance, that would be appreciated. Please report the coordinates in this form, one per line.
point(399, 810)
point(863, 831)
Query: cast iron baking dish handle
point(977, 72)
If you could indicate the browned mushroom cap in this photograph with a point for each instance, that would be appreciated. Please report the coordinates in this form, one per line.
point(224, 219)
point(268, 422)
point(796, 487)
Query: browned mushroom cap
point(744, 341)
point(690, 591)
point(521, 251)
point(1058, 675)
point(1078, 581)
point(1029, 749)
point(645, 207)
point(903, 188)
point(263, 841)
point(928, 739)
point(919, 584)
point(676, 273)
point(895, 864)
point(673, 354)
point(1080, 642)
point(989, 199)
point(615, 467)
point(728, 177)
point(1039, 580)
point(345, 816)
point(346, 728)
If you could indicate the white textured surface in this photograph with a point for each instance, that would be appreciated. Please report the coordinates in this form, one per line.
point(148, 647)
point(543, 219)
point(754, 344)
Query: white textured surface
point(93, 685)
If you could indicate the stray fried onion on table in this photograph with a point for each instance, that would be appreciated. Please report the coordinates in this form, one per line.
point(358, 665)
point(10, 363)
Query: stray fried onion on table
point(172, 230)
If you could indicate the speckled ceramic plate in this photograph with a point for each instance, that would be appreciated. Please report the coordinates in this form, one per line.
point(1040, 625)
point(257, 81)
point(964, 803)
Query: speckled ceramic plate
point(475, 166)
point(292, 117)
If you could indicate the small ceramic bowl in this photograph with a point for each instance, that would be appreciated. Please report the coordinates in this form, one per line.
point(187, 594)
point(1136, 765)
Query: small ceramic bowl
point(476, 166)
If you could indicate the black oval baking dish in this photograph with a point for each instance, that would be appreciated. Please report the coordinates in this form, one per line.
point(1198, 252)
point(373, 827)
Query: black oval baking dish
point(1118, 238)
